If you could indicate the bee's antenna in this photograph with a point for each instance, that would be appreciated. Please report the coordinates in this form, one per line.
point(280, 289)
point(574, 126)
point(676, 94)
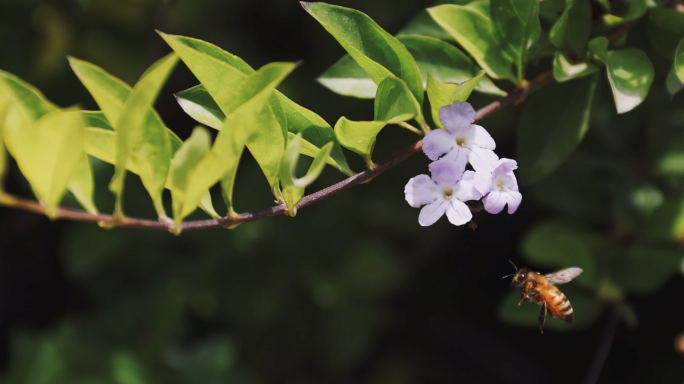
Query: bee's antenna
point(516, 268)
point(507, 276)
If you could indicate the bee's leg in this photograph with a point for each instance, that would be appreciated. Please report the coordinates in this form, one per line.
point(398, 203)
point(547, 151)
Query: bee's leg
point(542, 317)
point(523, 298)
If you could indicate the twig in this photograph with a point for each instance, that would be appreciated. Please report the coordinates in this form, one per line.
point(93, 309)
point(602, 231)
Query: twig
point(604, 346)
point(109, 221)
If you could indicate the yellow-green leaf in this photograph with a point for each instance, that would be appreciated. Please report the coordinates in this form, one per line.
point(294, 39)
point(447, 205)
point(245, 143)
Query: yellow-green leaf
point(441, 94)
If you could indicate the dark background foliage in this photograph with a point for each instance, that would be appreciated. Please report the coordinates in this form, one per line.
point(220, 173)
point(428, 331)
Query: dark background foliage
point(352, 289)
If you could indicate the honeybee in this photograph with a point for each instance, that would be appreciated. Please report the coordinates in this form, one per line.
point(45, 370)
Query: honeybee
point(541, 289)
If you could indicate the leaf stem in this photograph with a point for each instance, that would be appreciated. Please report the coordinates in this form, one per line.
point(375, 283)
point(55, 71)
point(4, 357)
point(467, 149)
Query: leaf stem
point(410, 128)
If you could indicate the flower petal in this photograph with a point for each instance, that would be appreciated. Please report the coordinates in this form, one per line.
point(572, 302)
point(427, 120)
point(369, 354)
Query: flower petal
point(459, 155)
point(438, 142)
point(483, 182)
point(432, 212)
point(446, 173)
point(514, 198)
point(504, 166)
point(458, 213)
point(456, 116)
point(483, 139)
point(482, 160)
point(465, 189)
point(421, 190)
point(495, 201)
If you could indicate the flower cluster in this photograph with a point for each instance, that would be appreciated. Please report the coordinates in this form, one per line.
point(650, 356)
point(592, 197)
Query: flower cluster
point(451, 185)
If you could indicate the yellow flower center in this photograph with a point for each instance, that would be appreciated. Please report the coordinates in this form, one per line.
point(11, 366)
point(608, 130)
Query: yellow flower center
point(460, 141)
point(499, 185)
point(448, 193)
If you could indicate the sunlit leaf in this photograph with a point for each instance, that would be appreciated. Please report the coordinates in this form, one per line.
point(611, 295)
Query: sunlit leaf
point(571, 31)
point(630, 73)
point(47, 154)
point(474, 33)
point(394, 102)
point(293, 187)
point(347, 78)
point(598, 47)
point(199, 105)
point(4, 107)
point(446, 63)
point(224, 156)
point(138, 141)
point(183, 165)
point(516, 25)
point(672, 82)
point(552, 124)
point(32, 105)
point(358, 136)
point(441, 94)
point(564, 70)
point(376, 51)
point(423, 24)
point(635, 9)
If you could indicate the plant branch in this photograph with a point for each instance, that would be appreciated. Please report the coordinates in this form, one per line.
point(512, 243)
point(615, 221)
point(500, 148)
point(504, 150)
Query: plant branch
point(109, 221)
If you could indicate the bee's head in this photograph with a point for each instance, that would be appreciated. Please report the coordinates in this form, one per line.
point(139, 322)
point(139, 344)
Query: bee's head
point(519, 278)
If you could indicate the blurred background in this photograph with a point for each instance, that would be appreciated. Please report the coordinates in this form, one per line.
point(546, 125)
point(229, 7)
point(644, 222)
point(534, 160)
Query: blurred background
point(352, 290)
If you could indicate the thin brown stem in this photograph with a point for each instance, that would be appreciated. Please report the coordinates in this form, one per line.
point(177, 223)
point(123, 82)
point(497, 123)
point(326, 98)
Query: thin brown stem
point(109, 221)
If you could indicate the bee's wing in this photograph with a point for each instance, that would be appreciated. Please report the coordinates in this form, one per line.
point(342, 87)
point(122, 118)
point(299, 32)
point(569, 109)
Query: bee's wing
point(564, 275)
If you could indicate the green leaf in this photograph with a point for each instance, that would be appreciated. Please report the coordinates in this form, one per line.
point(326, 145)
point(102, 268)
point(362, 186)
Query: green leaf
point(127, 369)
point(446, 63)
point(423, 24)
point(199, 105)
point(564, 70)
point(32, 105)
point(630, 73)
point(441, 94)
point(635, 9)
point(571, 31)
point(394, 102)
point(679, 61)
point(314, 130)
point(358, 136)
point(474, 33)
point(293, 187)
point(183, 165)
point(665, 30)
point(47, 154)
point(672, 82)
point(666, 223)
point(141, 141)
point(516, 26)
point(376, 51)
point(586, 309)
point(224, 156)
point(552, 124)
point(561, 244)
point(96, 119)
point(4, 107)
point(230, 82)
point(346, 77)
point(598, 47)
point(645, 269)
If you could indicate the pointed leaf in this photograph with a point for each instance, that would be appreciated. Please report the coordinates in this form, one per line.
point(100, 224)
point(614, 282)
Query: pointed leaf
point(630, 73)
point(446, 63)
point(635, 9)
point(224, 156)
point(423, 24)
point(672, 83)
point(183, 164)
point(199, 105)
point(346, 77)
point(564, 70)
point(473, 31)
point(293, 187)
point(141, 142)
point(30, 103)
point(441, 94)
point(598, 47)
point(47, 154)
point(571, 31)
point(358, 136)
point(516, 25)
point(394, 102)
point(376, 51)
point(553, 123)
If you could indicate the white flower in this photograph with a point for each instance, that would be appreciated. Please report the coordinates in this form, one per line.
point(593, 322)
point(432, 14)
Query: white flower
point(444, 193)
point(461, 140)
point(499, 187)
